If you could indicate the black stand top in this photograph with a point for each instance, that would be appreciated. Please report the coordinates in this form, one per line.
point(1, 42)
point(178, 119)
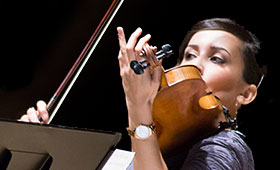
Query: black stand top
point(29, 146)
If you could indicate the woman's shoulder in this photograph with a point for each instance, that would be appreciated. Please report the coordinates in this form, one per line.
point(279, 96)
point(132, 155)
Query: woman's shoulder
point(228, 138)
point(225, 150)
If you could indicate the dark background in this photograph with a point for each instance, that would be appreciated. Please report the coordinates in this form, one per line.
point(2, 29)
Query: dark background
point(40, 41)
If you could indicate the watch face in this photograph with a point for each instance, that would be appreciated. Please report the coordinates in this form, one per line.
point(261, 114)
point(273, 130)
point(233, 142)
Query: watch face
point(143, 132)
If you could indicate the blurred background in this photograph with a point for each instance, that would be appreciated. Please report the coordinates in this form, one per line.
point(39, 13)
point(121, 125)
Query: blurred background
point(41, 40)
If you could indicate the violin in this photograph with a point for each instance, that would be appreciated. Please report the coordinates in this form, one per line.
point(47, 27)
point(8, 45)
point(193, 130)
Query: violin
point(183, 111)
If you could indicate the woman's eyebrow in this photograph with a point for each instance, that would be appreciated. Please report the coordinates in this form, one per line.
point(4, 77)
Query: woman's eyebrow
point(220, 49)
point(195, 47)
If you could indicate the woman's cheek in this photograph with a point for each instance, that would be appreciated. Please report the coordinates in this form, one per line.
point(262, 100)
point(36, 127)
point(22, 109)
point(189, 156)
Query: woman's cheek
point(223, 83)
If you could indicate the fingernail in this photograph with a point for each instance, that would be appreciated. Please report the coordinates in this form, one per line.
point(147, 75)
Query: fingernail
point(118, 29)
point(41, 104)
point(45, 115)
point(30, 109)
point(138, 29)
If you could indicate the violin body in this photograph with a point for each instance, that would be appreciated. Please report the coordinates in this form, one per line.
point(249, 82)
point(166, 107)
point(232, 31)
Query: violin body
point(183, 112)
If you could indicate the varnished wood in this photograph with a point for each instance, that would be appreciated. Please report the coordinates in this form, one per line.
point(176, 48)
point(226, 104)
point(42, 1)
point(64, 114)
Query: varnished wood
point(183, 111)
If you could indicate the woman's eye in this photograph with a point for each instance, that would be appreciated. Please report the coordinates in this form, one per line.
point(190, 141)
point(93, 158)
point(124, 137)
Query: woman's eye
point(217, 60)
point(190, 56)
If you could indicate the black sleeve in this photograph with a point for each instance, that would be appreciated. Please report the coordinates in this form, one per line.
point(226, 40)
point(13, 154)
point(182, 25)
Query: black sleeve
point(219, 153)
point(211, 157)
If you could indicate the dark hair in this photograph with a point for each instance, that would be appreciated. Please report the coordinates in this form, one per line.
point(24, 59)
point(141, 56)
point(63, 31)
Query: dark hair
point(252, 74)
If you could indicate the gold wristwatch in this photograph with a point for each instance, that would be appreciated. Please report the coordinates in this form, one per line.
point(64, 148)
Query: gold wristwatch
point(142, 131)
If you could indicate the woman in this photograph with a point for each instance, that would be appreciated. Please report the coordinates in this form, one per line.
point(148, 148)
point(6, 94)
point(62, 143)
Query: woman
point(225, 53)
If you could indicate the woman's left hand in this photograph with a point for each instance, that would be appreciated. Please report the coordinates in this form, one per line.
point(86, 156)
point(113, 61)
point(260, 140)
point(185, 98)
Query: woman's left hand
point(140, 90)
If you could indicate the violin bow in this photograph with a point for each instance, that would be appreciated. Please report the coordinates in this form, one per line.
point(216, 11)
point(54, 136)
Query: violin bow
point(81, 61)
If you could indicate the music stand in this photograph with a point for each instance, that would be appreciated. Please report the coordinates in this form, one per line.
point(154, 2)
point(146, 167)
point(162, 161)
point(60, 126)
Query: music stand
point(29, 146)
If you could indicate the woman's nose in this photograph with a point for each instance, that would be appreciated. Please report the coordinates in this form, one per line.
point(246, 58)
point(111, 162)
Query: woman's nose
point(200, 68)
point(198, 62)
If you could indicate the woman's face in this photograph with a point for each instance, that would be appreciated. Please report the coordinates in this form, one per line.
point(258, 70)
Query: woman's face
point(218, 55)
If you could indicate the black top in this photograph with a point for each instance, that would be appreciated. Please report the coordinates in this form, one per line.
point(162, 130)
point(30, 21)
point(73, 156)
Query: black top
point(225, 150)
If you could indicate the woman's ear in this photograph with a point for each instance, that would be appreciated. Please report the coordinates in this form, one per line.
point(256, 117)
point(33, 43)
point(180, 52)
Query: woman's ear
point(248, 95)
